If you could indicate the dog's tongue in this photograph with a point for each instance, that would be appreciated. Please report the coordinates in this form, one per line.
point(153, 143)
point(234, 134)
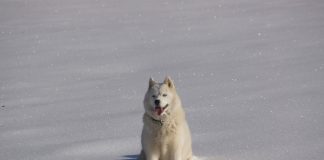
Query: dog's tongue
point(158, 110)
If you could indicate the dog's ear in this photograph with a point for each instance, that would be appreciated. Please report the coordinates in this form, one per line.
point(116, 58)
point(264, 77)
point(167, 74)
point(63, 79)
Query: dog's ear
point(151, 82)
point(168, 81)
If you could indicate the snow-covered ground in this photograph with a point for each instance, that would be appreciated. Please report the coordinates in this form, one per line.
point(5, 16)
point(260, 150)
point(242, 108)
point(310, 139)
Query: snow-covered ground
point(73, 75)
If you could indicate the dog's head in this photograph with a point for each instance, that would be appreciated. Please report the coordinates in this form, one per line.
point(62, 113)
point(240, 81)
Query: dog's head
point(159, 98)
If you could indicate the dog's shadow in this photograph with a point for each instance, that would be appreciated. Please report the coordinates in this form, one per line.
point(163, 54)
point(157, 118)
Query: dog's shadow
point(130, 157)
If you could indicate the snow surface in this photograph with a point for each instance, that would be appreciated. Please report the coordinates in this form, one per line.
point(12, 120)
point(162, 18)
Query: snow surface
point(73, 75)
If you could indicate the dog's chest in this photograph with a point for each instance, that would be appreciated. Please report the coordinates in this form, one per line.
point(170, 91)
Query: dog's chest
point(166, 130)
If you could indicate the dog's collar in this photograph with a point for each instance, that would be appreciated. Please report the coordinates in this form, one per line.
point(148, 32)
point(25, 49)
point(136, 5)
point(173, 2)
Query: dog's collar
point(159, 122)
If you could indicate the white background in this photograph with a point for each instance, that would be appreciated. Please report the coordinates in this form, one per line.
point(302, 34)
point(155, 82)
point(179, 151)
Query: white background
point(73, 74)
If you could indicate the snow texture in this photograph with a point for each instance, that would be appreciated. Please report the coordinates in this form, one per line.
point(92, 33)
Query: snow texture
point(74, 72)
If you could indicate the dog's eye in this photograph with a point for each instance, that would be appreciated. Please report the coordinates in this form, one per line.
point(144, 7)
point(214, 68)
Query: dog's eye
point(164, 95)
point(154, 96)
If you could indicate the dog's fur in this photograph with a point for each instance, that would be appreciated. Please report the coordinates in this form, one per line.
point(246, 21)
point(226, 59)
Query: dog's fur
point(165, 134)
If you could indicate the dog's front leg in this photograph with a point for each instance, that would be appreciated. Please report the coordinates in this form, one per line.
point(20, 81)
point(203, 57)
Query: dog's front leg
point(151, 156)
point(176, 155)
point(176, 147)
point(176, 152)
point(152, 153)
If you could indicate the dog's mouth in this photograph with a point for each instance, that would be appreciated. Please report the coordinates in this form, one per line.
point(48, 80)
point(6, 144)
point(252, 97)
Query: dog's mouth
point(159, 110)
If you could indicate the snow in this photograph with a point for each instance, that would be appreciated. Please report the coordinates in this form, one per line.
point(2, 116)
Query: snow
point(74, 72)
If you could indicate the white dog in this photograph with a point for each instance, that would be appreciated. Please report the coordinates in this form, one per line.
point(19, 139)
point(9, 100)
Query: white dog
point(165, 134)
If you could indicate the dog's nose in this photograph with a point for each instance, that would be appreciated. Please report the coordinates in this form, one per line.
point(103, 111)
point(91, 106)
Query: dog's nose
point(157, 102)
